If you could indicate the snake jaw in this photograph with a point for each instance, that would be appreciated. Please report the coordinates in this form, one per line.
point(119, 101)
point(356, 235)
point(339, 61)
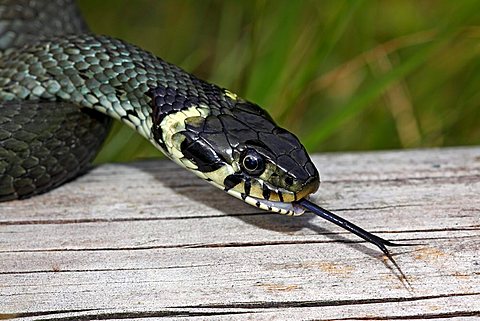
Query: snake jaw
point(292, 209)
point(289, 201)
point(286, 208)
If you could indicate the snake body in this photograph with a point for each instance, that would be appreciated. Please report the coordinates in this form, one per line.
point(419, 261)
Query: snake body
point(222, 138)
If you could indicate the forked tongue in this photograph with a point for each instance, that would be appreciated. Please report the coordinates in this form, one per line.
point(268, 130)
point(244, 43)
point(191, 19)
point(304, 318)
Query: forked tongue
point(343, 223)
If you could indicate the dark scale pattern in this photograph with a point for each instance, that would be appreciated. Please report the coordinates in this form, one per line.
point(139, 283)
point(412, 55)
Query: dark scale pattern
point(42, 144)
point(249, 126)
point(36, 142)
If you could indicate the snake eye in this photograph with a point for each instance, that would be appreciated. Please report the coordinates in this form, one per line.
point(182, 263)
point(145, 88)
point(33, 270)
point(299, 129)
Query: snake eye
point(253, 162)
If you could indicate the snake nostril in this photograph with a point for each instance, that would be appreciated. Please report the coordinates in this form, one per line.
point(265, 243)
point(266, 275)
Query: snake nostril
point(312, 184)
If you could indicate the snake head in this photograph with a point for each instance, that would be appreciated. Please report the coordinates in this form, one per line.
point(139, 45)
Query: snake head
point(236, 146)
point(271, 171)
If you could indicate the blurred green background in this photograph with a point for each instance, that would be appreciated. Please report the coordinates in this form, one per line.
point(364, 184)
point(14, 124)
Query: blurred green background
point(342, 75)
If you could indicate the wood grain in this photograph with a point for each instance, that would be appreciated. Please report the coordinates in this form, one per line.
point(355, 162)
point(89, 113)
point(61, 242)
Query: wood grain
point(149, 240)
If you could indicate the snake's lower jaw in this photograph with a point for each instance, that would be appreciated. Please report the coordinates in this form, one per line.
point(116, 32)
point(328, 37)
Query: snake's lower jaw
point(287, 208)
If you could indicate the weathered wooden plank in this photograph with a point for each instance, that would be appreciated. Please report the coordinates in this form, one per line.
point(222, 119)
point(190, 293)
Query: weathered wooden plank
point(148, 239)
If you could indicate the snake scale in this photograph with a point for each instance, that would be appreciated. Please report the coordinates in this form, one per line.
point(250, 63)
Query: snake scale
point(58, 81)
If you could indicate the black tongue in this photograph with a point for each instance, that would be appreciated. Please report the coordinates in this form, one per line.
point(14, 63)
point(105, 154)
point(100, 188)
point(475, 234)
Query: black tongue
point(343, 223)
point(367, 236)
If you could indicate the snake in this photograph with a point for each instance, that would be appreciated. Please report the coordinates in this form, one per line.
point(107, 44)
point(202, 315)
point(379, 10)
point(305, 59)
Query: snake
point(60, 86)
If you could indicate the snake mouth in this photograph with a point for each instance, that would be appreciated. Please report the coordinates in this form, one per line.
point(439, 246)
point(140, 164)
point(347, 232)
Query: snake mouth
point(282, 202)
point(287, 208)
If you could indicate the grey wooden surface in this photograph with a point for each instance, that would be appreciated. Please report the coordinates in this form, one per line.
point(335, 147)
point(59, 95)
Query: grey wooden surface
point(148, 240)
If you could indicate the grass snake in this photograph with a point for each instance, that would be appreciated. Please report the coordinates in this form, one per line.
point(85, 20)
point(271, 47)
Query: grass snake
point(60, 85)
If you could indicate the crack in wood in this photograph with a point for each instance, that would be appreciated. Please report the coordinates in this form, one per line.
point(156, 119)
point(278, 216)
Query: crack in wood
point(320, 303)
point(234, 244)
point(186, 311)
point(8, 316)
point(123, 315)
point(189, 246)
point(106, 270)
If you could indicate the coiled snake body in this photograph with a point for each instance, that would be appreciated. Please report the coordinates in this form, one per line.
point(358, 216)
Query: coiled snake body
point(55, 91)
